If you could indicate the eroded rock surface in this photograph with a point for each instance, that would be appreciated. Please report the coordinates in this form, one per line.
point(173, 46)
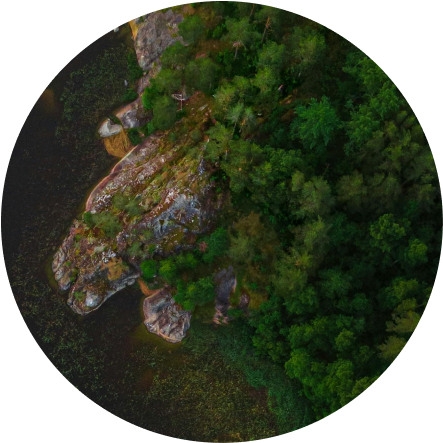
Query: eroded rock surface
point(164, 317)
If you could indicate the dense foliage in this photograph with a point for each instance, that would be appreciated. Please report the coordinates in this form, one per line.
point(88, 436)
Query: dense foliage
point(336, 212)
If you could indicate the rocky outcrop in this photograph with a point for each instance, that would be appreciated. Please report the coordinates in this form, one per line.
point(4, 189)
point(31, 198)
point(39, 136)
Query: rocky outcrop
point(133, 115)
point(164, 317)
point(168, 201)
point(91, 269)
point(108, 128)
point(225, 285)
point(153, 33)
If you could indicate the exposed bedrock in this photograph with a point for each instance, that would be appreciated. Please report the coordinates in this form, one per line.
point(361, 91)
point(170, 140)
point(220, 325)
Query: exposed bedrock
point(168, 202)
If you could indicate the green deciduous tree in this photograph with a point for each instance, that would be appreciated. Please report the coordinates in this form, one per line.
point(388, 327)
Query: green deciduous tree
point(392, 347)
point(218, 144)
point(191, 28)
point(308, 50)
point(175, 56)
point(400, 289)
point(149, 269)
point(386, 233)
point(404, 318)
point(271, 56)
point(168, 81)
point(168, 270)
point(149, 96)
point(311, 198)
point(196, 293)
point(241, 33)
point(217, 245)
point(165, 110)
point(202, 75)
point(244, 155)
point(361, 128)
point(352, 192)
point(416, 254)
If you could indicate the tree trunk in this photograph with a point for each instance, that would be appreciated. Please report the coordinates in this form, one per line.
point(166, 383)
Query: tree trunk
point(263, 36)
point(268, 23)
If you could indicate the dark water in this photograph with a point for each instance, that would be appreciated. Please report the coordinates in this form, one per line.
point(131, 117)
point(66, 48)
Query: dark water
point(45, 187)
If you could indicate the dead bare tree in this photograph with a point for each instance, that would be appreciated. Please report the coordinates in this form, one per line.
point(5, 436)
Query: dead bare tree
point(236, 45)
point(267, 26)
point(180, 98)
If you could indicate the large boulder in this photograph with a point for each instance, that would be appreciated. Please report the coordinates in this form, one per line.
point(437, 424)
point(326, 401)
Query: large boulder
point(164, 317)
point(153, 33)
point(108, 128)
point(133, 114)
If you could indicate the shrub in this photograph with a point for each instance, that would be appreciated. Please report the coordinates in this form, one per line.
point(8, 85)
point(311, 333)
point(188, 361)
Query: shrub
point(149, 269)
point(147, 234)
point(133, 208)
point(125, 203)
point(191, 29)
point(129, 95)
point(108, 222)
point(149, 96)
point(186, 261)
point(217, 244)
point(79, 296)
point(134, 136)
point(165, 111)
point(180, 114)
point(196, 136)
point(196, 293)
point(120, 201)
point(87, 217)
point(234, 312)
point(135, 250)
point(168, 270)
point(147, 129)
